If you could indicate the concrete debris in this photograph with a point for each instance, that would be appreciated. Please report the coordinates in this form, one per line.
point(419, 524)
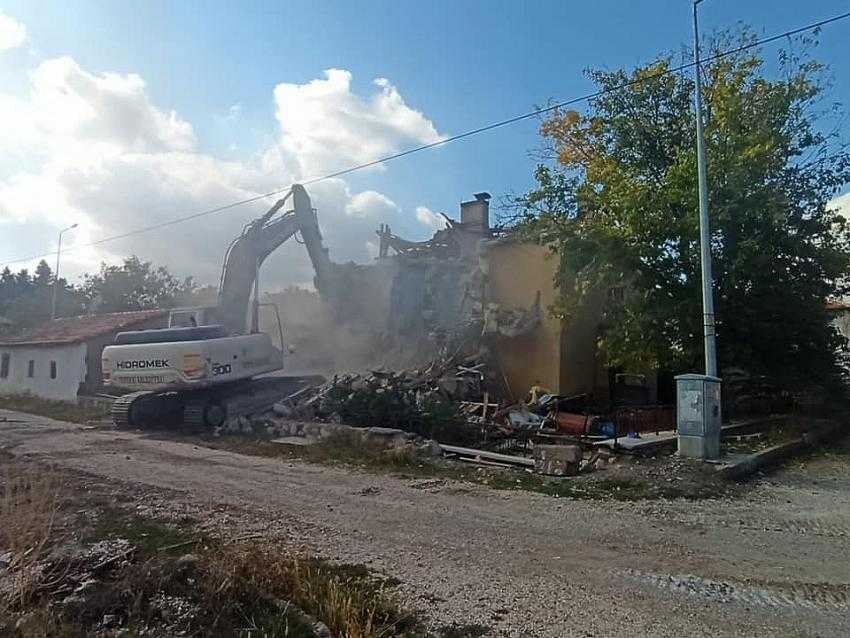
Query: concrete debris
point(429, 401)
point(557, 460)
point(511, 322)
point(459, 401)
point(451, 401)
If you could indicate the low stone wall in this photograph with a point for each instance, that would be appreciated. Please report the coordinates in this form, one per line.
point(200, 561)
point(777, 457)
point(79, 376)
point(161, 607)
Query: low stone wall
point(87, 401)
point(275, 427)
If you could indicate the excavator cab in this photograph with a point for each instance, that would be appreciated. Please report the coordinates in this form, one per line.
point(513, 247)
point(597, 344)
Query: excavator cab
point(191, 317)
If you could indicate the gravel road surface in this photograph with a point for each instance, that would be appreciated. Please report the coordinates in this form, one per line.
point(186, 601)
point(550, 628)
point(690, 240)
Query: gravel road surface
point(774, 562)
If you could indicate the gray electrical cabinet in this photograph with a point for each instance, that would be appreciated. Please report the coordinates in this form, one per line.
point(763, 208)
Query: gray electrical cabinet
point(698, 415)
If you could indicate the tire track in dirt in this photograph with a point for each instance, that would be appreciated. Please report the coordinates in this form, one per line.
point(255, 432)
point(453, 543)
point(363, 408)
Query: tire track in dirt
point(812, 596)
point(801, 527)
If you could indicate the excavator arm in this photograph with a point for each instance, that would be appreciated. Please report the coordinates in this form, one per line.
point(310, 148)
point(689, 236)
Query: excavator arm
point(258, 240)
point(308, 225)
point(242, 263)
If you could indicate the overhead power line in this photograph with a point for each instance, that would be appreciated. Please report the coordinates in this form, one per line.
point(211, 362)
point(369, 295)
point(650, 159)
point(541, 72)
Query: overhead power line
point(452, 138)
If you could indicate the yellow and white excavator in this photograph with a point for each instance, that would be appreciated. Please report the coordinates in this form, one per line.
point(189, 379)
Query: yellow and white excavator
point(205, 367)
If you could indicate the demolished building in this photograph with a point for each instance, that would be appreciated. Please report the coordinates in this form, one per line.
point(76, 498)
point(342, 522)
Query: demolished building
point(469, 288)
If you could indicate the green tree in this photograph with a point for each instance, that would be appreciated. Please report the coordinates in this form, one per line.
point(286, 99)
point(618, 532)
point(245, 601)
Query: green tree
point(618, 205)
point(43, 275)
point(26, 300)
point(135, 285)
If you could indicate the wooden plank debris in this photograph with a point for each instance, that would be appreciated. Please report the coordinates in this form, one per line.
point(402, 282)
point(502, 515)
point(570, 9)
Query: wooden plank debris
point(489, 456)
point(476, 461)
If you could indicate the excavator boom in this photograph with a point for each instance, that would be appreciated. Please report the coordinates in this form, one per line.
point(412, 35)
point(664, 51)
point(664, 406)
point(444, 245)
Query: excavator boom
point(258, 240)
point(241, 266)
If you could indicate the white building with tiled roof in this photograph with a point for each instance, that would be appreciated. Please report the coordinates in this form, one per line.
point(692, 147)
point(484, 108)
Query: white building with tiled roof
point(61, 358)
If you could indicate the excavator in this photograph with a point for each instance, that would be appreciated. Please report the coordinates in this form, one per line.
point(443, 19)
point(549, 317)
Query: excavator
point(205, 366)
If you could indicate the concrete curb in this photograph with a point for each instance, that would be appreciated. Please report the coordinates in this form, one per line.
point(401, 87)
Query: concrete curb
point(775, 454)
point(753, 462)
point(652, 443)
point(754, 424)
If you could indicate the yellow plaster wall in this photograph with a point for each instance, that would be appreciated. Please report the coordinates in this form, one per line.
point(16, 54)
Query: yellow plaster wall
point(517, 271)
point(559, 355)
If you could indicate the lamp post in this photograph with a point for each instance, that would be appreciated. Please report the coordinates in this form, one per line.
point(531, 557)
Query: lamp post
point(698, 415)
point(56, 272)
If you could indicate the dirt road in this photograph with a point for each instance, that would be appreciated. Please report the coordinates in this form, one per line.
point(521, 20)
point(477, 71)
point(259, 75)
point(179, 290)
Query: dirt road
point(774, 562)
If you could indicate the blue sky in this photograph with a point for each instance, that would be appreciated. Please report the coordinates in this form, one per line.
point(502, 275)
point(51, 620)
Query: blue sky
point(460, 64)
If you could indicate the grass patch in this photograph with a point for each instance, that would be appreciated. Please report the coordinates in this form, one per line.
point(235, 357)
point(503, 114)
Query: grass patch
point(208, 593)
point(148, 535)
point(156, 577)
point(59, 410)
point(244, 589)
point(350, 451)
point(351, 602)
point(122, 571)
point(591, 488)
point(342, 448)
point(252, 588)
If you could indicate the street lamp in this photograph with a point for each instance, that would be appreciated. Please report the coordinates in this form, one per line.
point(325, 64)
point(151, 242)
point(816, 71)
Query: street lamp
point(698, 415)
point(56, 272)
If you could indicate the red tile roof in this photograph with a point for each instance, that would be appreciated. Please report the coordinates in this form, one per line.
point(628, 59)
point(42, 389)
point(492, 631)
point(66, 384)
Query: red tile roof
point(77, 329)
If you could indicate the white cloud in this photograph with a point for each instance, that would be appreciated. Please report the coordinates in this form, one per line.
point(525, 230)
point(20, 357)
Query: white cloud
point(325, 127)
point(12, 33)
point(97, 151)
point(370, 203)
point(430, 219)
point(82, 108)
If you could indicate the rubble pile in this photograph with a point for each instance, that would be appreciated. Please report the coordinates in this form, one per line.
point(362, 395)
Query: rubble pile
point(432, 402)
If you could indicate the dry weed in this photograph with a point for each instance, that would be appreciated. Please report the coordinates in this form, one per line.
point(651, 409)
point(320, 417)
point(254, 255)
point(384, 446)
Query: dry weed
point(29, 506)
point(350, 602)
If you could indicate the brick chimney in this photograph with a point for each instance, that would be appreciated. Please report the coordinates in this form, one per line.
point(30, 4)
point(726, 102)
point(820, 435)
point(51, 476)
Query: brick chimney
point(476, 213)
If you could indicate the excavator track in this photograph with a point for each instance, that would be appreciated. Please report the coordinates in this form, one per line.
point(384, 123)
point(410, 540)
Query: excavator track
point(203, 412)
point(122, 408)
point(203, 408)
point(193, 414)
point(146, 410)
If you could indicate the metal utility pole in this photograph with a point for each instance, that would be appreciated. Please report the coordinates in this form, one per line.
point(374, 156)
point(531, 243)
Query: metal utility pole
point(56, 272)
point(704, 231)
point(698, 403)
